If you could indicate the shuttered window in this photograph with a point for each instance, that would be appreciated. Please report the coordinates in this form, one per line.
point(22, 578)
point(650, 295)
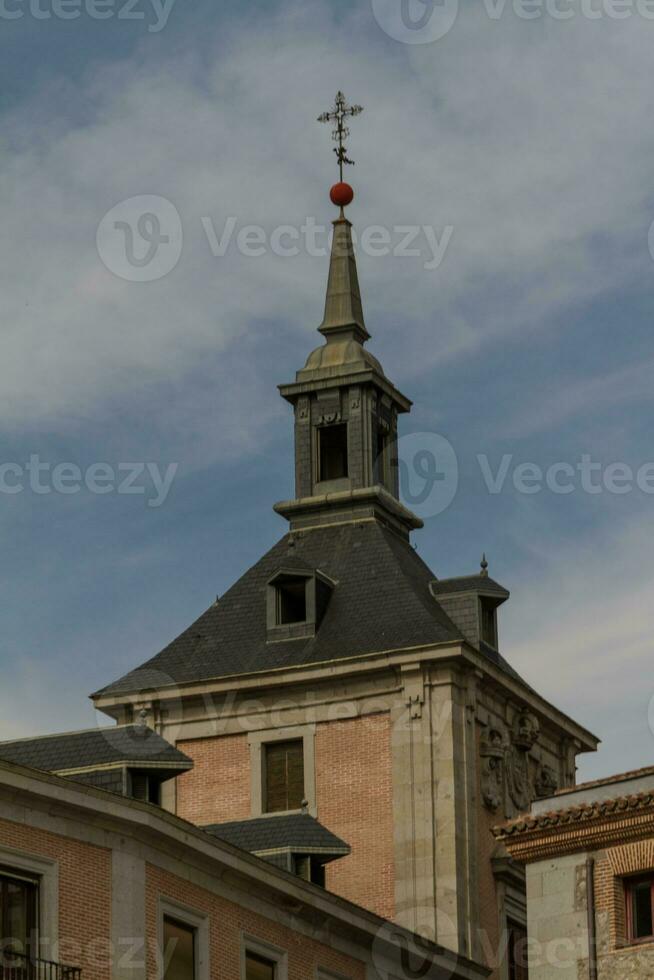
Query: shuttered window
point(284, 777)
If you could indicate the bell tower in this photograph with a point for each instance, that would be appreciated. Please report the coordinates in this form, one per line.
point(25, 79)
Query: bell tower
point(346, 409)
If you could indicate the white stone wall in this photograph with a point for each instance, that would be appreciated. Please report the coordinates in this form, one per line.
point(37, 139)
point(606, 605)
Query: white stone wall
point(557, 918)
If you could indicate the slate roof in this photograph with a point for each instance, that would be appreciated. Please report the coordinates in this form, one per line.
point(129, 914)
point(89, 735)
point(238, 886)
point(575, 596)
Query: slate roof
point(469, 583)
point(94, 747)
point(381, 601)
point(299, 832)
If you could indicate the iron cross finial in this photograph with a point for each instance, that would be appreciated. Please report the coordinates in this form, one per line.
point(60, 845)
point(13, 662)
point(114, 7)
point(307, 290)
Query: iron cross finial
point(340, 133)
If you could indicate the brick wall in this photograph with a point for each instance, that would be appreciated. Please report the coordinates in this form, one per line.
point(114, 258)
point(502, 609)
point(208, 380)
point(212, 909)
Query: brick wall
point(617, 961)
point(217, 789)
point(84, 895)
point(355, 801)
point(227, 921)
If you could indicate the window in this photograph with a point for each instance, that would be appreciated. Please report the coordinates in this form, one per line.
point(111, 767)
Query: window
point(284, 776)
point(291, 601)
point(259, 968)
point(309, 868)
point(146, 788)
point(381, 460)
point(179, 947)
point(640, 908)
point(488, 626)
point(18, 911)
point(332, 452)
point(261, 960)
point(517, 952)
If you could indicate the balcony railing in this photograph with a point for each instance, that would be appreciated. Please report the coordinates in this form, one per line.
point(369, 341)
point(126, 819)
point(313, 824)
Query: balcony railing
point(18, 966)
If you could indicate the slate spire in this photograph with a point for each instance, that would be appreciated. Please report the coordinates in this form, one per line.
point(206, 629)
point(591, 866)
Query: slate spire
point(343, 317)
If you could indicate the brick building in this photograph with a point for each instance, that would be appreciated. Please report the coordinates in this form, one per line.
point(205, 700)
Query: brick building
point(589, 853)
point(339, 680)
point(99, 886)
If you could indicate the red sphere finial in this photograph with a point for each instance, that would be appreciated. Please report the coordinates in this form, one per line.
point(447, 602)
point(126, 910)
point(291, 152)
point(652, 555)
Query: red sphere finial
point(341, 194)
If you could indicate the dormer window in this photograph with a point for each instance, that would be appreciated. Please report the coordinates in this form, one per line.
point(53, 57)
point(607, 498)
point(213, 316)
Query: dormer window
point(488, 623)
point(296, 599)
point(332, 452)
point(291, 605)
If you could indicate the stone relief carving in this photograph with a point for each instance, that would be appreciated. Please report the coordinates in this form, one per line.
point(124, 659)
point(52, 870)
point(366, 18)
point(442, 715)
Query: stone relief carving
point(524, 735)
point(493, 751)
point(546, 782)
point(508, 776)
point(329, 417)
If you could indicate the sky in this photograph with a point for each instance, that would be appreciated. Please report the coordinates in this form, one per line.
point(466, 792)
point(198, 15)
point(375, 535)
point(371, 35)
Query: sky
point(517, 154)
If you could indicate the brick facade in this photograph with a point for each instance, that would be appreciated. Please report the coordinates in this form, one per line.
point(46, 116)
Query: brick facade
point(228, 922)
point(355, 800)
point(217, 789)
point(353, 793)
point(84, 895)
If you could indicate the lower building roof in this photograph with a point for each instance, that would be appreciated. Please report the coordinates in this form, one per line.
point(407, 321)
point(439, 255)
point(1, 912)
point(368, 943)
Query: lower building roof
point(130, 745)
point(299, 832)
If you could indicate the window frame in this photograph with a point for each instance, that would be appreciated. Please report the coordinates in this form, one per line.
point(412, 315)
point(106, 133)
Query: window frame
point(257, 741)
point(31, 881)
point(630, 884)
point(259, 947)
point(46, 870)
point(170, 908)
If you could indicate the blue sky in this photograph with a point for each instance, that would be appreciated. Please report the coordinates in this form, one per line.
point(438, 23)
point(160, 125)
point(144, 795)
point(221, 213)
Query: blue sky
point(532, 339)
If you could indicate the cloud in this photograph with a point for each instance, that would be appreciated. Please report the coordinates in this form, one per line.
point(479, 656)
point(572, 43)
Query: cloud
point(580, 629)
point(531, 147)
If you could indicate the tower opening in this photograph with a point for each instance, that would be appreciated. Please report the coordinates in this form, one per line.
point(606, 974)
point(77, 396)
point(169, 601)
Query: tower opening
point(332, 452)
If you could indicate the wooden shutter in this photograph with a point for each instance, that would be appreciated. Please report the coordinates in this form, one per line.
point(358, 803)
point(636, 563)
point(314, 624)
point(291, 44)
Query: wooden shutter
point(284, 776)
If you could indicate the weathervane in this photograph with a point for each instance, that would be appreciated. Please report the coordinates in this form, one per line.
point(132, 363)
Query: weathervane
point(340, 133)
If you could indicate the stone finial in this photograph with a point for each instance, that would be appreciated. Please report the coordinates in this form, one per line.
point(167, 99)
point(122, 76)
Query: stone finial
point(304, 806)
point(484, 566)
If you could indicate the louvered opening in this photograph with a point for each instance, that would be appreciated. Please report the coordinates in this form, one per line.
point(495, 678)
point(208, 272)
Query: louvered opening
point(284, 782)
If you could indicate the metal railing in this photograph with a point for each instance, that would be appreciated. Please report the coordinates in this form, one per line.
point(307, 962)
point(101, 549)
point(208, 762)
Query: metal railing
point(19, 966)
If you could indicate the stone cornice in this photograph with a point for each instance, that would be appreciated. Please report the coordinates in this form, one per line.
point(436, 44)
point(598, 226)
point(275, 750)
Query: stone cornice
point(462, 654)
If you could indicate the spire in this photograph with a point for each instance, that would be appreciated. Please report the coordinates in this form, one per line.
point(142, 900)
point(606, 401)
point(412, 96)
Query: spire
point(343, 318)
point(343, 309)
point(346, 409)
